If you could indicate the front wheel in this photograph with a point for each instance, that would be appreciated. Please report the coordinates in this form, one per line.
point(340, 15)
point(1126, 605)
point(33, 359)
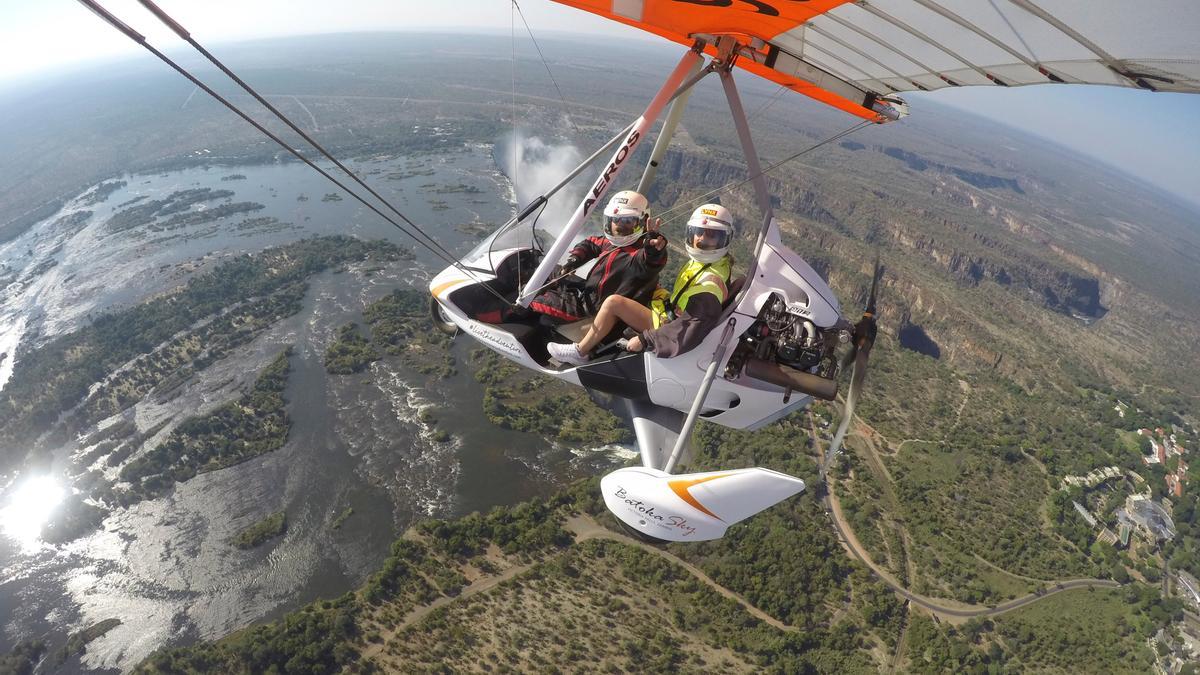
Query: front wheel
point(440, 321)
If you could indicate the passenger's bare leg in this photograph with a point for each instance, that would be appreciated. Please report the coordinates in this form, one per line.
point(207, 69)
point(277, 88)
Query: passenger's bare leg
point(616, 308)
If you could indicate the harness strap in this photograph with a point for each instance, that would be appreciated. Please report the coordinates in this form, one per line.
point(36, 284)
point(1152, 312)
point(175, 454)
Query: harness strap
point(670, 304)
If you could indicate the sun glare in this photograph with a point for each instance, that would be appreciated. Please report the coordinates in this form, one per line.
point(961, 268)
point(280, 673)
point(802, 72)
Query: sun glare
point(29, 507)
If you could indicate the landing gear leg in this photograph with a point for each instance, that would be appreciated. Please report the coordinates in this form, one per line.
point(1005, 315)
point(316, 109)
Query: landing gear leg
point(440, 321)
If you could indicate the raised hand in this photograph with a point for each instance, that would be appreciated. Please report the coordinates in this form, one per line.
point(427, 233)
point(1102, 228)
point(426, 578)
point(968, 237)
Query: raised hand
point(655, 239)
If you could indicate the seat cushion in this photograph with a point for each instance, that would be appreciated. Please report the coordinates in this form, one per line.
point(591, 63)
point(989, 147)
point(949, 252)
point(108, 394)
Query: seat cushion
point(575, 331)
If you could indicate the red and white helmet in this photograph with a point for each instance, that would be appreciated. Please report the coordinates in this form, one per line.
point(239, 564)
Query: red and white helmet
point(709, 233)
point(625, 217)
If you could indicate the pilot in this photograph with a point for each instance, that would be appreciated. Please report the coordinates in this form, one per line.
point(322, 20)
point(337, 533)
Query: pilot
point(678, 321)
point(628, 257)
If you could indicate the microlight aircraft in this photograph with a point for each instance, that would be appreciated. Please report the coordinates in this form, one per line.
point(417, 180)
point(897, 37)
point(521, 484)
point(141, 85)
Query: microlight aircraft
point(783, 339)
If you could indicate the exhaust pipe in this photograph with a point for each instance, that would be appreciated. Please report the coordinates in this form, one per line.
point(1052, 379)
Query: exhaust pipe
point(790, 378)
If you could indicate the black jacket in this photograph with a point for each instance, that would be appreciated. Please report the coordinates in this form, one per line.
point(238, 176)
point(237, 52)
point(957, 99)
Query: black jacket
point(631, 271)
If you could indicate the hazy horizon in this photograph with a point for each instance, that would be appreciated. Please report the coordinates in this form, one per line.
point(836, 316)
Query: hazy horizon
point(1095, 139)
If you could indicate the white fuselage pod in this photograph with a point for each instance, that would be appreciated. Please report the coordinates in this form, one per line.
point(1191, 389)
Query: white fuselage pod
point(741, 403)
point(494, 337)
point(746, 402)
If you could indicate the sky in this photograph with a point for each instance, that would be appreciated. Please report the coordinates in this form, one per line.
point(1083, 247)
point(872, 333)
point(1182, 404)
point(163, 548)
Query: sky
point(1154, 136)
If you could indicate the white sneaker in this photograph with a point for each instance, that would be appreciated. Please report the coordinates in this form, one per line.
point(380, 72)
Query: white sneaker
point(566, 353)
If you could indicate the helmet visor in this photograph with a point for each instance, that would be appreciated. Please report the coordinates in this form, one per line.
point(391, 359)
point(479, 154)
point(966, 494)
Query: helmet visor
point(621, 225)
point(707, 238)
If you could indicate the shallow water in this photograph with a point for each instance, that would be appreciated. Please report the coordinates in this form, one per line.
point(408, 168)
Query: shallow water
point(165, 567)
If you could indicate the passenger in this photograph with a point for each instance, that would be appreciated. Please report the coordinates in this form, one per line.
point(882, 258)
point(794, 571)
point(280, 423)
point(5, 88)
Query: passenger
point(629, 258)
point(674, 323)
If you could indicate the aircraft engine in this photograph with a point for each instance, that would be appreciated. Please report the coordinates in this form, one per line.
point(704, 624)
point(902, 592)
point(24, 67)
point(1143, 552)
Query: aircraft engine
point(786, 348)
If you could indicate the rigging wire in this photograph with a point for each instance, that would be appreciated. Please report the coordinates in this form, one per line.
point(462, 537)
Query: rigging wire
point(770, 102)
point(436, 248)
point(514, 151)
point(186, 36)
point(512, 38)
point(547, 65)
point(733, 185)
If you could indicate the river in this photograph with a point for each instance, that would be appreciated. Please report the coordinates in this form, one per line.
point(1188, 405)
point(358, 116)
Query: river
point(165, 567)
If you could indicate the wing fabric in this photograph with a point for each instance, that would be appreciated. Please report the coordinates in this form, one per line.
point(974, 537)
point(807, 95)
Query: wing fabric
point(847, 54)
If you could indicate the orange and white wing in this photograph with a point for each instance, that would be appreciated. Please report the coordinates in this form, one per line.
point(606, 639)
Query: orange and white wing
point(848, 54)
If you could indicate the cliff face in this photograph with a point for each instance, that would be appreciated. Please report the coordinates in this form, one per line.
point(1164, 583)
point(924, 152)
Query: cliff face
point(1071, 293)
point(976, 178)
point(926, 320)
point(965, 253)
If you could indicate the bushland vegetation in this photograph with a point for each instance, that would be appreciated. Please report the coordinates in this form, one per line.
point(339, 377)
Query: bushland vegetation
point(57, 376)
point(1084, 631)
point(177, 203)
point(398, 324)
point(612, 605)
point(329, 634)
point(232, 433)
point(264, 530)
point(78, 642)
point(350, 352)
point(514, 398)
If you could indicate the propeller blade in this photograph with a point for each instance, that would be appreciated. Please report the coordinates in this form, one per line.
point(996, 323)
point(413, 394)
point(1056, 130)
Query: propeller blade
point(866, 325)
point(850, 356)
point(859, 353)
point(878, 272)
point(857, 377)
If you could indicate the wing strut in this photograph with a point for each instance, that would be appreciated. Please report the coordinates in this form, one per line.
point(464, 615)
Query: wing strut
point(664, 135)
point(757, 176)
point(709, 375)
point(612, 170)
point(727, 47)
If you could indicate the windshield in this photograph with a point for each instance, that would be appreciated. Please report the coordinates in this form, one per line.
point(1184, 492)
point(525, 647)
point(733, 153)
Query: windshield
point(537, 231)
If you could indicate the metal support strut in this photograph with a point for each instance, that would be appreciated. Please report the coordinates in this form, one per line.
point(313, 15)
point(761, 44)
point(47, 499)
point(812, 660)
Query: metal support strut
point(610, 174)
point(664, 136)
point(738, 113)
point(685, 434)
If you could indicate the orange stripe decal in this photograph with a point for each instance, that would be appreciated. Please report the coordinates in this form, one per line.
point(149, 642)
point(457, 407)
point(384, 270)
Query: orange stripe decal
point(437, 291)
point(680, 487)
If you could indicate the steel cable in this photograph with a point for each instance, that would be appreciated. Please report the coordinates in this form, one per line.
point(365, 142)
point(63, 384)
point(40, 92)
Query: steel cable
point(433, 246)
point(733, 185)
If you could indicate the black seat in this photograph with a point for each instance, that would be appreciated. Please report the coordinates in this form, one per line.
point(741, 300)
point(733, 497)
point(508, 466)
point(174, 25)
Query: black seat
point(735, 287)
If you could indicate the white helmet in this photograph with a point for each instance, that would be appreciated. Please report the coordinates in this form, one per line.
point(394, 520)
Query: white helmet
point(709, 233)
point(625, 217)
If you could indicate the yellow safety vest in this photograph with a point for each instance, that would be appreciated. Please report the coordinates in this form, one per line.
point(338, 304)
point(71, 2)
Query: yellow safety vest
point(695, 277)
